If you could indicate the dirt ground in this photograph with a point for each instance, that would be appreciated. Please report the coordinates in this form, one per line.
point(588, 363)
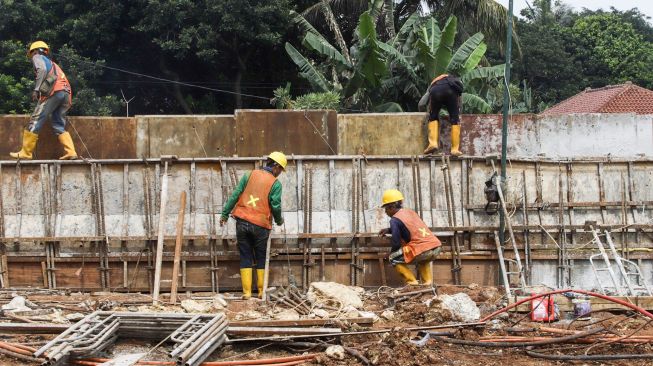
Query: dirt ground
point(391, 348)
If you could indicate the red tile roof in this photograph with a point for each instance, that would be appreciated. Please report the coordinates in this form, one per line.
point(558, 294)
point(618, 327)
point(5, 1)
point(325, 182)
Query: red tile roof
point(623, 98)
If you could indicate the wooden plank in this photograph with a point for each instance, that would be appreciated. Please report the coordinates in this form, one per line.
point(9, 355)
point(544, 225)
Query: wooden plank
point(178, 242)
point(299, 323)
point(159, 244)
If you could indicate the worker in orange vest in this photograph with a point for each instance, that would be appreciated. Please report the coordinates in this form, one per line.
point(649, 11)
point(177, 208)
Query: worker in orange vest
point(412, 240)
point(53, 95)
point(255, 201)
point(444, 91)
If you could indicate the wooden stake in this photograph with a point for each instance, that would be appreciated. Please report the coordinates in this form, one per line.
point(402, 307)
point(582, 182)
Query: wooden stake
point(159, 243)
point(266, 275)
point(180, 235)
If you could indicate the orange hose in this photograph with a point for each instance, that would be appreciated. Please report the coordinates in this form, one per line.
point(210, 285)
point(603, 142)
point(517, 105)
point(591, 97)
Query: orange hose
point(10, 347)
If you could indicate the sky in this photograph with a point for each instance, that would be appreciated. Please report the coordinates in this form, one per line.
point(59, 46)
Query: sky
point(645, 6)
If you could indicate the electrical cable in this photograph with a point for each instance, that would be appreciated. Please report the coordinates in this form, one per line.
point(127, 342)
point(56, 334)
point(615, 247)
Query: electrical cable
point(163, 79)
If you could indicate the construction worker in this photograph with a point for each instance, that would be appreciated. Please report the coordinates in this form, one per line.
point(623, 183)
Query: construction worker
point(444, 91)
point(412, 240)
point(53, 95)
point(255, 201)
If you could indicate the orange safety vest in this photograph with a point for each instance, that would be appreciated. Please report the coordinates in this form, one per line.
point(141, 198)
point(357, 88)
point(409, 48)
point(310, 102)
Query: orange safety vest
point(253, 204)
point(421, 237)
point(438, 79)
point(62, 81)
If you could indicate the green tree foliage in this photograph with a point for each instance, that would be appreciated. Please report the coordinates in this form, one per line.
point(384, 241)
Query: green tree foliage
point(391, 76)
point(564, 52)
point(610, 43)
point(221, 36)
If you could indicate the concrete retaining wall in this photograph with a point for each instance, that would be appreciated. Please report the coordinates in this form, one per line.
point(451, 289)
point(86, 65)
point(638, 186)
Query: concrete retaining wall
point(256, 132)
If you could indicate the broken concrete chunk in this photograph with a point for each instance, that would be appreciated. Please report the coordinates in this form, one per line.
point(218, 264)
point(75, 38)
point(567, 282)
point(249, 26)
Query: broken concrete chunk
point(192, 306)
point(219, 301)
point(249, 315)
point(336, 352)
point(287, 314)
point(334, 294)
point(320, 313)
point(388, 315)
point(462, 307)
point(369, 314)
point(74, 317)
point(16, 304)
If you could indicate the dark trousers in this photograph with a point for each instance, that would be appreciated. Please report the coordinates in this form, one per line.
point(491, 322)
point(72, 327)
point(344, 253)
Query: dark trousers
point(252, 244)
point(442, 95)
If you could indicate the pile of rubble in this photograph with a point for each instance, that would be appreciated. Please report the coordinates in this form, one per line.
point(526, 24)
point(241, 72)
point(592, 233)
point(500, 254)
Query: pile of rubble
point(329, 323)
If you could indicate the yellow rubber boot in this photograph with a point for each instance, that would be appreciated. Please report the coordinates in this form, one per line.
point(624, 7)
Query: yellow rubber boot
point(406, 274)
point(246, 280)
point(455, 140)
point(434, 137)
point(425, 273)
point(260, 277)
point(69, 149)
point(29, 144)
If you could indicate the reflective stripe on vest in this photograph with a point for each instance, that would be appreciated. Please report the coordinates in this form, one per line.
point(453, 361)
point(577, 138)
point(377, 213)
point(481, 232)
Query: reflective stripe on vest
point(253, 204)
point(421, 237)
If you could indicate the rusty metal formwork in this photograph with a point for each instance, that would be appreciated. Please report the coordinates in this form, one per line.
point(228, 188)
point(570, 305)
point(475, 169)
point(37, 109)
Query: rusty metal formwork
point(93, 224)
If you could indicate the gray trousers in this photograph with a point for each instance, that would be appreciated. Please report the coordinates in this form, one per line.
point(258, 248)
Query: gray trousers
point(397, 257)
point(56, 106)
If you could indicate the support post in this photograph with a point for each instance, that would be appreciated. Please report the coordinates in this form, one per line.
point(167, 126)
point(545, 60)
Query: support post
point(159, 242)
point(178, 243)
point(506, 111)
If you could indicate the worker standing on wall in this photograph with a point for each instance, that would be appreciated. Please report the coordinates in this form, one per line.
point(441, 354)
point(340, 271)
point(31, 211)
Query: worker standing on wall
point(255, 201)
point(53, 95)
point(444, 91)
point(412, 240)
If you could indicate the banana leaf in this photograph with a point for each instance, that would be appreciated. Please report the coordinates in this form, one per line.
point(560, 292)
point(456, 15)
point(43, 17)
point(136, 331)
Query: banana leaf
point(307, 69)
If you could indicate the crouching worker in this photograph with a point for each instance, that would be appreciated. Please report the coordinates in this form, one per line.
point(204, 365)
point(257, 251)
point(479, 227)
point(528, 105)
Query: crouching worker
point(412, 240)
point(255, 201)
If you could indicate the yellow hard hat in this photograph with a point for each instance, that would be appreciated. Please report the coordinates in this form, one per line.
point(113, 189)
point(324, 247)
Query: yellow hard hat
point(392, 195)
point(279, 158)
point(38, 44)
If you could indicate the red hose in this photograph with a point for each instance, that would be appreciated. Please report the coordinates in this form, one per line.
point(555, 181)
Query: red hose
point(279, 361)
point(601, 296)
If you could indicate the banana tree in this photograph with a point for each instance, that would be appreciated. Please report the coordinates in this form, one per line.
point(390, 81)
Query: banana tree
point(358, 76)
point(424, 51)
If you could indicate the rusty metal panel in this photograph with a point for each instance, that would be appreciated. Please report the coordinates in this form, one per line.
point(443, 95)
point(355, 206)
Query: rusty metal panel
point(294, 132)
point(96, 137)
point(11, 130)
point(188, 136)
point(381, 133)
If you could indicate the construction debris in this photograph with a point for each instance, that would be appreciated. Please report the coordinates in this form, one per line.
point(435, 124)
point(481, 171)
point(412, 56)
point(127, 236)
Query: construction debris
point(334, 294)
point(337, 352)
point(462, 307)
point(422, 328)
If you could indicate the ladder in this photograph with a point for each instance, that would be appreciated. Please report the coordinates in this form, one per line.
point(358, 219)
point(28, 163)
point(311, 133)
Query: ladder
point(632, 287)
point(504, 263)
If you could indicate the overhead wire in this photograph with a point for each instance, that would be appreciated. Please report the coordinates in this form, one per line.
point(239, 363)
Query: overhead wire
point(162, 79)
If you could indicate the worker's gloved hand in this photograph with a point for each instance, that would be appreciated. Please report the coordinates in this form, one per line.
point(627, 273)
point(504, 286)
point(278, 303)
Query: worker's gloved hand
point(35, 95)
point(223, 220)
point(383, 232)
point(280, 223)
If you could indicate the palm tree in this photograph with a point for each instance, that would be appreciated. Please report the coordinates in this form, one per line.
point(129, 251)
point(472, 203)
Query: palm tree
point(485, 16)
